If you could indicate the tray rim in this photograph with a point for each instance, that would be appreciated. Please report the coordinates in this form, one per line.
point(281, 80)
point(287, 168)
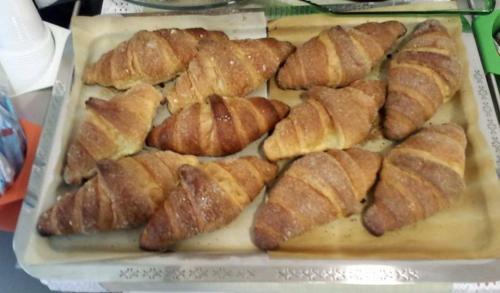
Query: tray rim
point(262, 268)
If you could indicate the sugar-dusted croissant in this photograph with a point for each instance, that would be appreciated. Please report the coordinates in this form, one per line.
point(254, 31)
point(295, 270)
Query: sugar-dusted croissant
point(227, 68)
point(220, 127)
point(328, 118)
point(124, 194)
point(317, 188)
point(339, 55)
point(419, 177)
point(422, 76)
point(209, 196)
point(111, 129)
point(149, 56)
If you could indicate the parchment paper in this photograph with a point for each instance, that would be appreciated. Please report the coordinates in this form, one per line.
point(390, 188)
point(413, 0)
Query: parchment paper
point(467, 230)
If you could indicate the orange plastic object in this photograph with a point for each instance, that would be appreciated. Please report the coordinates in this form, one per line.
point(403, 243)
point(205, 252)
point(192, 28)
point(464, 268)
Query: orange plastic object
point(10, 202)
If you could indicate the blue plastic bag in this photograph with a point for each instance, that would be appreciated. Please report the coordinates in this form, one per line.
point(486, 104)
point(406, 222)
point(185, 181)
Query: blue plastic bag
point(12, 143)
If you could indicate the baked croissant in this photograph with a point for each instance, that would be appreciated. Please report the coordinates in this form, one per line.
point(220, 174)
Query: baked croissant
point(339, 55)
point(124, 194)
point(419, 177)
point(317, 188)
point(227, 68)
point(422, 76)
point(149, 56)
point(328, 118)
point(220, 127)
point(209, 196)
point(111, 129)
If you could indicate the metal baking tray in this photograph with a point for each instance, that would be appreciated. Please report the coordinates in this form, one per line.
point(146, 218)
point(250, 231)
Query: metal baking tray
point(159, 271)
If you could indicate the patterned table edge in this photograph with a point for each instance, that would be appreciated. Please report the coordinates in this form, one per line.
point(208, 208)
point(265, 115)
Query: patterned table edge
point(360, 274)
point(489, 115)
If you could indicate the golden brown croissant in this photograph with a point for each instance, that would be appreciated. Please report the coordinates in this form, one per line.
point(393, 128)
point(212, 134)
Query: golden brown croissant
point(423, 75)
point(227, 68)
point(339, 56)
point(111, 129)
point(220, 127)
point(317, 188)
point(328, 118)
point(124, 194)
point(419, 177)
point(149, 56)
point(209, 196)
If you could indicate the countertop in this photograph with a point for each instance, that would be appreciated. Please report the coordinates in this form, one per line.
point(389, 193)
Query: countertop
point(32, 106)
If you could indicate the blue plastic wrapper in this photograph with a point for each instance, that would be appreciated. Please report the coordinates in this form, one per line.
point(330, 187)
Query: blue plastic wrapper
point(12, 143)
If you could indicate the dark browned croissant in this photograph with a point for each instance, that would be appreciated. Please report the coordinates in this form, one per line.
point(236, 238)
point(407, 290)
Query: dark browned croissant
point(339, 55)
point(124, 194)
point(422, 76)
point(227, 68)
point(317, 188)
point(210, 196)
point(419, 177)
point(220, 127)
point(111, 130)
point(149, 56)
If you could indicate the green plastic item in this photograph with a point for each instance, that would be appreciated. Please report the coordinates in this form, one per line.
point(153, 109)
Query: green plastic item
point(485, 27)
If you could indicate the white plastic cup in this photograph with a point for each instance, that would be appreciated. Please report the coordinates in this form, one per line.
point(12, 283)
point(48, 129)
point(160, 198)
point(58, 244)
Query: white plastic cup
point(26, 43)
point(20, 24)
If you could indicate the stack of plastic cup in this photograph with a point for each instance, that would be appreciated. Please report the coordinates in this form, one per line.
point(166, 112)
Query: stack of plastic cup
point(26, 44)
